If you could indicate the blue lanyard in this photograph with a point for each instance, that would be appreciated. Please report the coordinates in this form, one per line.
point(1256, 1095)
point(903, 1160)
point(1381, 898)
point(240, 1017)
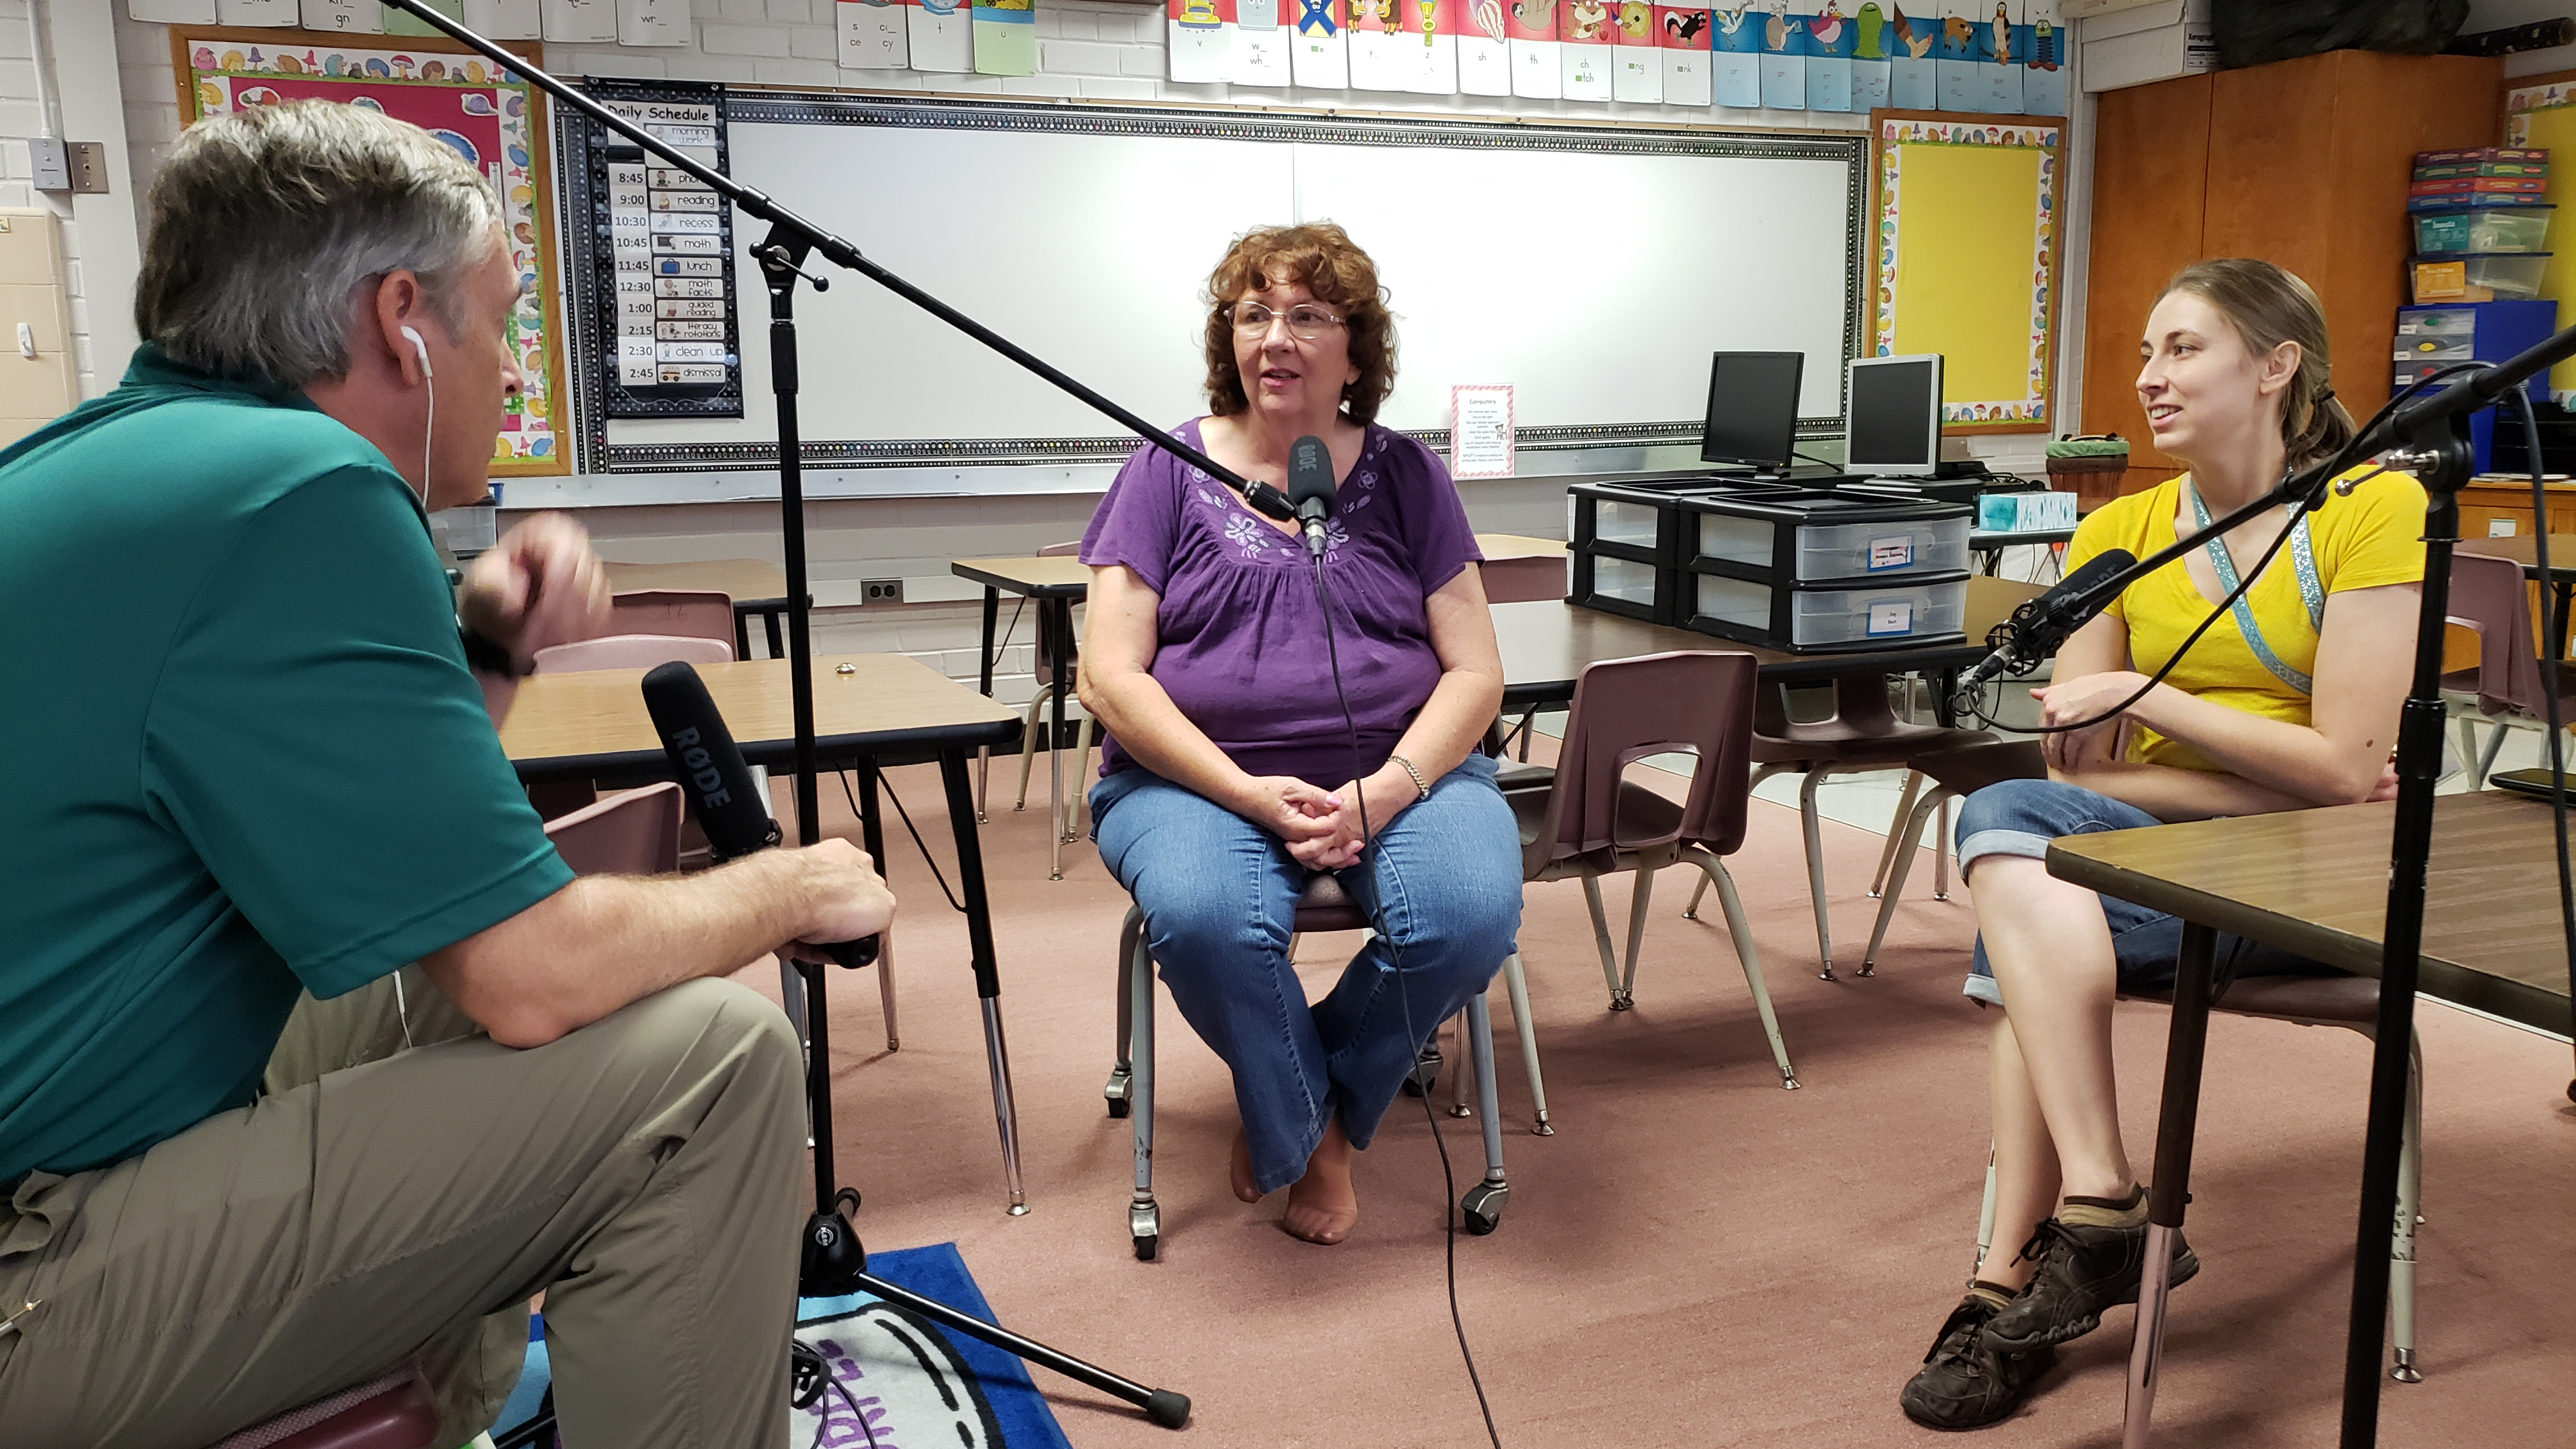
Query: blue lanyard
point(2303, 561)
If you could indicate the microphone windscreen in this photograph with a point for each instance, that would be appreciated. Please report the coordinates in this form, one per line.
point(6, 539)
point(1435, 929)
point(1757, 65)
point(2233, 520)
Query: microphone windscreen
point(1310, 471)
point(708, 763)
point(2092, 571)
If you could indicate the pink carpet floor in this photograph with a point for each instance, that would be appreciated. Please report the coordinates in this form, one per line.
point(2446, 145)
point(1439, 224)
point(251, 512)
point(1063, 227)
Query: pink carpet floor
point(1697, 1257)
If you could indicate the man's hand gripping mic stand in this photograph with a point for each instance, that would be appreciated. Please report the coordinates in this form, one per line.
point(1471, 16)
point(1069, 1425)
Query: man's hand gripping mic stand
point(833, 1262)
point(2428, 437)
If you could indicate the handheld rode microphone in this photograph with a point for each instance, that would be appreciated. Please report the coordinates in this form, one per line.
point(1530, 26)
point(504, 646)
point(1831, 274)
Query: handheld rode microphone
point(1311, 488)
point(2040, 625)
point(716, 781)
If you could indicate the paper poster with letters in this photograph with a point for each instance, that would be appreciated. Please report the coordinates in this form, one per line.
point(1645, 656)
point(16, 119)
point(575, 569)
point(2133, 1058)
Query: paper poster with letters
point(1484, 49)
point(275, 14)
point(1431, 47)
point(1784, 58)
point(1912, 84)
point(1871, 38)
point(1831, 38)
point(1261, 37)
point(1480, 430)
point(941, 35)
point(874, 35)
point(1735, 55)
point(1201, 39)
point(1583, 47)
point(589, 22)
point(1682, 35)
point(653, 22)
point(1320, 54)
point(2006, 45)
point(1636, 54)
point(2043, 76)
point(359, 17)
point(172, 12)
point(1006, 37)
point(1958, 69)
point(1380, 57)
point(503, 19)
point(1530, 28)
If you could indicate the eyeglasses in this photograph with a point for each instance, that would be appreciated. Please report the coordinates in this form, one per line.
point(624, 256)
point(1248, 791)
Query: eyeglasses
point(1306, 320)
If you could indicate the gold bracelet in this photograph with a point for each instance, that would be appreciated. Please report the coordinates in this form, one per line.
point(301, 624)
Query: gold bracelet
point(1417, 778)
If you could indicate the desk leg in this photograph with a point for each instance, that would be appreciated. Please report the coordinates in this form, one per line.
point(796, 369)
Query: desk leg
point(741, 633)
point(872, 840)
point(1062, 611)
point(2179, 1118)
point(1944, 685)
point(984, 754)
point(988, 983)
point(2566, 591)
point(769, 626)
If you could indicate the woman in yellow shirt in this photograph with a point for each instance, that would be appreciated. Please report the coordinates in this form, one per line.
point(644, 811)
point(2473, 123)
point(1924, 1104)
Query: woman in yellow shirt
point(2291, 701)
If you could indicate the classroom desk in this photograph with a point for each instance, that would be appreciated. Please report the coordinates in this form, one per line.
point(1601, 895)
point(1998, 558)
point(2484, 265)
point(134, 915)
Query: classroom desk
point(1519, 567)
point(756, 586)
point(2315, 882)
point(870, 710)
point(1545, 645)
point(2525, 550)
point(1989, 547)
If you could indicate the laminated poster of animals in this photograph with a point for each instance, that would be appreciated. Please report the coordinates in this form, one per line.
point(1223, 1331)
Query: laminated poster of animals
point(1973, 57)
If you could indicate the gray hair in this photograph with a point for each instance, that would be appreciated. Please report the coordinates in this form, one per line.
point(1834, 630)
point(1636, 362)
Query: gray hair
point(265, 223)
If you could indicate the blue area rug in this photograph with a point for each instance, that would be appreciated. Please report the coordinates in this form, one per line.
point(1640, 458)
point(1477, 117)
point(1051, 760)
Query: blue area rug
point(916, 1384)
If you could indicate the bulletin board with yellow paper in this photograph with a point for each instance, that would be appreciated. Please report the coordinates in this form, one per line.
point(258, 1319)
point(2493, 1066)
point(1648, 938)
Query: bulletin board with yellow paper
point(491, 117)
point(2540, 112)
point(1965, 260)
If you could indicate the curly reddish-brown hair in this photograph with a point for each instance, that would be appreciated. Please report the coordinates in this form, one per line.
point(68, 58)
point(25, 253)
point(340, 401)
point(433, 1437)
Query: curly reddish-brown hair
point(1322, 256)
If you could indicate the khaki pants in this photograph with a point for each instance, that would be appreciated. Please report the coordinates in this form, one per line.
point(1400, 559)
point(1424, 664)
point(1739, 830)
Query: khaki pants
point(379, 1205)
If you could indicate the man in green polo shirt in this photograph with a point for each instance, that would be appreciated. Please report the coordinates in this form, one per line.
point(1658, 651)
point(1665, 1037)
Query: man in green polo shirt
point(253, 766)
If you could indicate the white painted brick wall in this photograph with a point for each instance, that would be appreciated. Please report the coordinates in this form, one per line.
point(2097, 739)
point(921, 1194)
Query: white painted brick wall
point(19, 124)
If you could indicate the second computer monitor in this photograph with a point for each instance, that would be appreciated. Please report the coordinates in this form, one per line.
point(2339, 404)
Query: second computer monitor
point(1752, 409)
point(1895, 411)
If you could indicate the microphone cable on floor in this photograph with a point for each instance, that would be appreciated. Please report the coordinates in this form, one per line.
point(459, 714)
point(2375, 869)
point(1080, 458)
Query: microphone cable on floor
point(1404, 1000)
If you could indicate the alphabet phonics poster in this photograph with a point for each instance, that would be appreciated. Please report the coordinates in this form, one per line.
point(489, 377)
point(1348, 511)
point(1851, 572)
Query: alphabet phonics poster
point(1006, 37)
point(2005, 46)
point(2043, 81)
point(1431, 45)
point(1784, 59)
point(942, 35)
point(1735, 57)
point(1912, 82)
point(874, 35)
point(1261, 37)
point(1379, 59)
point(1636, 54)
point(1321, 55)
point(1681, 32)
point(1956, 71)
point(1583, 48)
point(1830, 42)
point(1531, 31)
point(1484, 50)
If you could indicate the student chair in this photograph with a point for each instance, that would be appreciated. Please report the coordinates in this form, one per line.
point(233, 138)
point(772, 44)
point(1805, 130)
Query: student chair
point(633, 651)
point(2350, 1002)
point(1323, 906)
point(1955, 771)
point(1863, 733)
point(393, 1412)
point(1584, 820)
point(2488, 596)
point(696, 613)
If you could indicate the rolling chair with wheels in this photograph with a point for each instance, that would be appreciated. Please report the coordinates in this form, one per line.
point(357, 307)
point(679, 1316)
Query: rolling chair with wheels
point(1322, 907)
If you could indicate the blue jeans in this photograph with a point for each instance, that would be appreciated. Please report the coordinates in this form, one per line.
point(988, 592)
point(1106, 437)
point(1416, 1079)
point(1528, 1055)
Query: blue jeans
point(1219, 893)
point(2020, 817)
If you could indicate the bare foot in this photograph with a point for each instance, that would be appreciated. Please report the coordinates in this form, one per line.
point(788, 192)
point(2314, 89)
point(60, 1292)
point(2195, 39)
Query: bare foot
point(1239, 1170)
point(1322, 1205)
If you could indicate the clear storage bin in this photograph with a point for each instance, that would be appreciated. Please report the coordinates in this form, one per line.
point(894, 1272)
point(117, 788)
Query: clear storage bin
point(1821, 618)
point(1624, 579)
point(2505, 275)
point(2483, 229)
point(1736, 540)
point(1628, 523)
point(1862, 550)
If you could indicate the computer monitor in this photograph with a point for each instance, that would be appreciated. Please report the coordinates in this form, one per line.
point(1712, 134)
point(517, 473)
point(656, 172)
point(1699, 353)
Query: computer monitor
point(1895, 412)
point(1752, 409)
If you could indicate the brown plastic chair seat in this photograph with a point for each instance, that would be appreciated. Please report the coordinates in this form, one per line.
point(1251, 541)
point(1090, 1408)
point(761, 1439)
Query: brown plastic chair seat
point(1325, 906)
point(393, 1412)
point(1639, 809)
point(1966, 769)
point(2336, 998)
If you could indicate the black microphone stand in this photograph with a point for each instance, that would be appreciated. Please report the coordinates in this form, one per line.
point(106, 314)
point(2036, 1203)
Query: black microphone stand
point(2428, 437)
point(833, 1262)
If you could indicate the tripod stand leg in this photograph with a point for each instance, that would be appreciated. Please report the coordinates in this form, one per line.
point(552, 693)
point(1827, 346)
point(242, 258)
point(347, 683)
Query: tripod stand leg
point(1164, 1407)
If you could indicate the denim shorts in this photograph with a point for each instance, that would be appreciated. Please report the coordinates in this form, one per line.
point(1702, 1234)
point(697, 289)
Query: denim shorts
point(2020, 817)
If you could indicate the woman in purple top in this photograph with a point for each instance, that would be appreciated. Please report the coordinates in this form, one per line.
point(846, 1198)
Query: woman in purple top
point(1230, 775)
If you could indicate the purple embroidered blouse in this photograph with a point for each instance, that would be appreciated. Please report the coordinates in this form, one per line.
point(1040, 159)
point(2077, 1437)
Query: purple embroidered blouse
point(1240, 635)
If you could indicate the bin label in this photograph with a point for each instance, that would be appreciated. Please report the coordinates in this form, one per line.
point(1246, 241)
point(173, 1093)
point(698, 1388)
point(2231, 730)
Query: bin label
point(1893, 616)
point(1891, 553)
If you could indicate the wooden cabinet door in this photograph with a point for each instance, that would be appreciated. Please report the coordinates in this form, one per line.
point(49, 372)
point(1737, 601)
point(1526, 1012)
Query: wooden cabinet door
point(2150, 171)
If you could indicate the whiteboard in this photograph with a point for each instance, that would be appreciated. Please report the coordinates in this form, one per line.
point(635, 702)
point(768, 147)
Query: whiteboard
point(1594, 268)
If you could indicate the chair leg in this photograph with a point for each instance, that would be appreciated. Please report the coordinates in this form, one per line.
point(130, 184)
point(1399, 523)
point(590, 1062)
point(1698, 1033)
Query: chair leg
point(2487, 759)
point(1941, 847)
point(1516, 985)
point(1897, 872)
point(1637, 898)
point(1985, 1217)
point(1029, 743)
point(2401, 1244)
point(1482, 1205)
point(1601, 938)
point(1458, 1083)
point(1691, 912)
point(1745, 955)
point(1529, 726)
point(1081, 782)
point(1144, 1215)
point(1887, 854)
point(1808, 822)
point(1120, 1090)
point(885, 988)
point(2468, 741)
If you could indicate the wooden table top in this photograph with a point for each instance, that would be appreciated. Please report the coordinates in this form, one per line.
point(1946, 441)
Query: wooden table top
point(1061, 576)
point(1497, 547)
point(2525, 550)
point(748, 580)
point(2315, 882)
point(592, 721)
point(1546, 644)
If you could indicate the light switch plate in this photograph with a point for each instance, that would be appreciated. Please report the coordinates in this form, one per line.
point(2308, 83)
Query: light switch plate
point(48, 163)
point(89, 168)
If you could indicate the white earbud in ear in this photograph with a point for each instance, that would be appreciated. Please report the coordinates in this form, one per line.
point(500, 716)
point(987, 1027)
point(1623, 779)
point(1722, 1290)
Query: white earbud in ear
point(419, 349)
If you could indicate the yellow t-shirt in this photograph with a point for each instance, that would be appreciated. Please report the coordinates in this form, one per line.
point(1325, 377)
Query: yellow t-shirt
point(2370, 539)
